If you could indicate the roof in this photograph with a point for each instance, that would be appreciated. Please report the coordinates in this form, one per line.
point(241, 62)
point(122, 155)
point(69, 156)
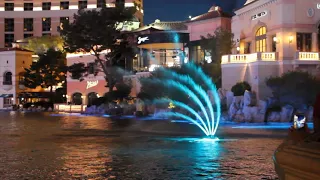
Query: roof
point(14, 49)
point(164, 26)
point(214, 12)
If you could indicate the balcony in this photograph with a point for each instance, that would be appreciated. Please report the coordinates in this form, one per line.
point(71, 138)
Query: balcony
point(248, 58)
point(307, 56)
point(7, 85)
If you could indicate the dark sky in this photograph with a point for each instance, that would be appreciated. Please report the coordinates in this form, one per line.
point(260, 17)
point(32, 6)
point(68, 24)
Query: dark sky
point(175, 10)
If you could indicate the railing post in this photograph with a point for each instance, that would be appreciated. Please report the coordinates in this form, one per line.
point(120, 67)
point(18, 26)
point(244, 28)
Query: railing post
point(259, 56)
point(297, 56)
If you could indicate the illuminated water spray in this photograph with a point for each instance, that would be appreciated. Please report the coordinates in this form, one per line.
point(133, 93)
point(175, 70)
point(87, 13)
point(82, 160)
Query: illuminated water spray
point(202, 94)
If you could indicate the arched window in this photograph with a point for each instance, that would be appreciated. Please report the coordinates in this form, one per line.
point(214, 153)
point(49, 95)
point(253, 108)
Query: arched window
point(261, 39)
point(7, 78)
point(77, 98)
point(91, 97)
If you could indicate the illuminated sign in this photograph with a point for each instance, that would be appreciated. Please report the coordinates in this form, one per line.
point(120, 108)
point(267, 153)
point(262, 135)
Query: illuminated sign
point(142, 39)
point(318, 6)
point(91, 84)
point(259, 15)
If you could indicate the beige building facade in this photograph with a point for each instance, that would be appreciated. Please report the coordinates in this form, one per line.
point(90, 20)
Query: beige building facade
point(272, 37)
point(21, 19)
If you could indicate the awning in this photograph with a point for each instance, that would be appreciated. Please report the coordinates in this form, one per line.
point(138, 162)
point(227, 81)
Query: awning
point(6, 95)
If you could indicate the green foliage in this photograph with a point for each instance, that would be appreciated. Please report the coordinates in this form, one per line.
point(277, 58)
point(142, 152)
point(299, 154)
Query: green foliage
point(48, 71)
point(295, 88)
point(218, 44)
point(122, 91)
point(95, 31)
point(39, 45)
point(240, 88)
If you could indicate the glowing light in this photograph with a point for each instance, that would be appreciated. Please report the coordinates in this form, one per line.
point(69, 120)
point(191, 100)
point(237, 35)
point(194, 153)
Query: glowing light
point(129, 4)
point(201, 97)
point(55, 8)
point(37, 8)
point(290, 39)
point(91, 84)
point(238, 48)
point(1, 8)
point(91, 6)
point(73, 7)
point(18, 8)
point(275, 39)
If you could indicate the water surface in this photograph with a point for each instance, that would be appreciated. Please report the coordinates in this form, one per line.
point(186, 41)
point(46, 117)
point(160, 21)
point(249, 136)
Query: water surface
point(39, 146)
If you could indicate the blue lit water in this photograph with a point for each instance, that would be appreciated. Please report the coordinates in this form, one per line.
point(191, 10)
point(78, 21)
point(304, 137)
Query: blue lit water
point(39, 146)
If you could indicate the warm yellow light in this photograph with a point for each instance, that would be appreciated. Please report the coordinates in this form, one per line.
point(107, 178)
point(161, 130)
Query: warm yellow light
point(275, 39)
point(55, 8)
point(238, 48)
point(290, 39)
point(91, 6)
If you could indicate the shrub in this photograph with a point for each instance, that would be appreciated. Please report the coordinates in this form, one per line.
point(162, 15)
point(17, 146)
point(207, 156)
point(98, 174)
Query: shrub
point(240, 88)
point(295, 88)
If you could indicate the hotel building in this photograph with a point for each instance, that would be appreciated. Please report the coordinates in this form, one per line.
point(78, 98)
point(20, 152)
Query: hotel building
point(273, 37)
point(20, 19)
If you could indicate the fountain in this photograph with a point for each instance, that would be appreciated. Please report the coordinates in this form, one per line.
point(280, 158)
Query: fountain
point(202, 107)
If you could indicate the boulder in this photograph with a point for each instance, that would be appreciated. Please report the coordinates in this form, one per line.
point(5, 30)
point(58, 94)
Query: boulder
point(274, 117)
point(236, 107)
point(229, 98)
point(250, 98)
point(263, 106)
point(286, 113)
point(222, 95)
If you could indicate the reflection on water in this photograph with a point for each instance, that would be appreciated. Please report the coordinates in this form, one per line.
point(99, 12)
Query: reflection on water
point(38, 146)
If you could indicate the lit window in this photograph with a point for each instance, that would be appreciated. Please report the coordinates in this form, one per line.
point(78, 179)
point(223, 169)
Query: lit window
point(64, 5)
point(8, 40)
point(46, 24)
point(261, 39)
point(8, 6)
point(28, 24)
point(83, 4)
point(9, 25)
point(28, 6)
point(46, 6)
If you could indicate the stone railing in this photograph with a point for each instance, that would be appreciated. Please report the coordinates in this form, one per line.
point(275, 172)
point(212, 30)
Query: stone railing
point(70, 108)
point(307, 56)
point(247, 58)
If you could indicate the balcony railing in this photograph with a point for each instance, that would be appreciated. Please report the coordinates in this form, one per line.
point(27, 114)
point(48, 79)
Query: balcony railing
point(247, 58)
point(307, 56)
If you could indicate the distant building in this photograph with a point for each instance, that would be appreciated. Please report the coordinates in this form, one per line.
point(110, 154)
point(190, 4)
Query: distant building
point(12, 91)
point(20, 19)
point(273, 37)
point(175, 43)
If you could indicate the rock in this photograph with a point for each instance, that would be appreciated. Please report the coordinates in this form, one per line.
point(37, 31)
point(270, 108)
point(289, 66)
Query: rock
point(250, 98)
point(250, 113)
point(236, 107)
point(263, 106)
point(229, 98)
point(222, 95)
point(286, 113)
point(274, 117)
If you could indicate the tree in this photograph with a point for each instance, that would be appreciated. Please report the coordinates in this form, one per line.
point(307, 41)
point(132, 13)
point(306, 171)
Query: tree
point(39, 45)
point(218, 44)
point(240, 88)
point(96, 31)
point(295, 88)
point(48, 71)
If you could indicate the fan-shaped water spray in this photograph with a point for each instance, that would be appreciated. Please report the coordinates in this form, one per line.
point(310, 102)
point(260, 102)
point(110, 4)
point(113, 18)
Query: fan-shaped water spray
point(205, 111)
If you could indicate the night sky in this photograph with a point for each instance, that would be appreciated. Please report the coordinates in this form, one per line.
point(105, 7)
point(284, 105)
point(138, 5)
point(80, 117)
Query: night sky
point(175, 10)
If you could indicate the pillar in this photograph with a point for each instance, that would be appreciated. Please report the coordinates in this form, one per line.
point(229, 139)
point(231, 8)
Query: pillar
point(315, 42)
point(269, 43)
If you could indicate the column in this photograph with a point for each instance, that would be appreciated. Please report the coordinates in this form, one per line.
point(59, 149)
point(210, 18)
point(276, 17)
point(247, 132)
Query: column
point(269, 43)
point(315, 42)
